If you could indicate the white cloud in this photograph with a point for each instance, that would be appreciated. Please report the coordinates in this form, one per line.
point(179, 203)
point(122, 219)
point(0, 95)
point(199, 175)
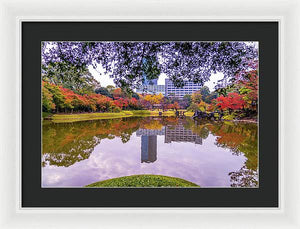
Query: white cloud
point(161, 79)
point(104, 79)
point(214, 78)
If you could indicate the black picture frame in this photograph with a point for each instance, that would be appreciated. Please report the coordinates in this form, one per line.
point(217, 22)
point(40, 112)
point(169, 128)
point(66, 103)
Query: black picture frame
point(266, 33)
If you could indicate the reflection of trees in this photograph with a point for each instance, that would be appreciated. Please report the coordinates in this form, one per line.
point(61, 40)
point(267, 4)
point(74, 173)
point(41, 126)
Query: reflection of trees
point(203, 132)
point(151, 124)
point(125, 137)
point(244, 178)
point(68, 155)
point(198, 128)
point(157, 123)
point(170, 121)
point(241, 138)
point(67, 143)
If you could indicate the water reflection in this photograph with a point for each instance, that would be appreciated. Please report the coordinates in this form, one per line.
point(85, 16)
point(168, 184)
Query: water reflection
point(179, 133)
point(149, 148)
point(65, 145)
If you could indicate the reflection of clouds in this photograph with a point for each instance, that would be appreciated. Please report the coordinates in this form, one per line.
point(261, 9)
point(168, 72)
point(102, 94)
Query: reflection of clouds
point(206, 165)
point(53, 179)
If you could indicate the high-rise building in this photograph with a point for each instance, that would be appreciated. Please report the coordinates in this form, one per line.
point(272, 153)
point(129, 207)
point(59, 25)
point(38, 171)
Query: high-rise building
point(151, 89)
point(149, 82)
point(187, 89)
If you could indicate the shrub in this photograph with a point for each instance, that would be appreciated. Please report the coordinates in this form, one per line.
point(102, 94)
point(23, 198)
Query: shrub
point(116, 109)
point(216, 115)
point(228, 117)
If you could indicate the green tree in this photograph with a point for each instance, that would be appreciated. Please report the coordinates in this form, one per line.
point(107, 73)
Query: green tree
point(103, 91)
point(205, 92)
point(196, 97)
point(211, 97)
point(186, 101)
point(110, 88)
point(47, 100)
point(193, 107)
point(77, 79)
point(135, 95)
point(57, 96)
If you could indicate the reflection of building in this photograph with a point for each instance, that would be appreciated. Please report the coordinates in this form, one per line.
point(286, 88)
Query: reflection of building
point(179, 134)
point(149, 148)
point(149, 132)
point(188, 88)
point(173, 133)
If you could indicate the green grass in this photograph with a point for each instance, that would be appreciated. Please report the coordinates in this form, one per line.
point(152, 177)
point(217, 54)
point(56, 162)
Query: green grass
point(145, 180)
point(228, 117)
point(138, 112)
point(165, 113)
point(62, 118)
point(189, 113)
point(46, 114)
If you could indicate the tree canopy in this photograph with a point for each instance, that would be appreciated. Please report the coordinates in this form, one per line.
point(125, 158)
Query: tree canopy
point(77, 79)
point(128, 62)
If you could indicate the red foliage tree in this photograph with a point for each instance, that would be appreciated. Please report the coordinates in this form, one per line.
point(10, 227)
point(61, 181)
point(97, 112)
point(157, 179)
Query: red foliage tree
point(101, 102)
point(121, 103)
point(233, 101)
point(176, 106)
point(117, 93)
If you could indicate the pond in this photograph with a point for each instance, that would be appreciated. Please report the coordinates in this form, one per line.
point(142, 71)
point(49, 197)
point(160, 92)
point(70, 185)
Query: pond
point(207, 153)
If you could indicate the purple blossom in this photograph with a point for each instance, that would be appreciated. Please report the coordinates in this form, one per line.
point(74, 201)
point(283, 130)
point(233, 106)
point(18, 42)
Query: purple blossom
point(124, 61)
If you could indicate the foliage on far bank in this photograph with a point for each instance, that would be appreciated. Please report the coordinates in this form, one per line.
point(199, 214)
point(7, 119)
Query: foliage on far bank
point(238, 100)
point(57, 99)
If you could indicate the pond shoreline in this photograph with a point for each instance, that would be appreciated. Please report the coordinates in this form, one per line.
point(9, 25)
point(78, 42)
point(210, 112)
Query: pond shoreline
point(247, 120)
point(89, 116)
point(64, 118)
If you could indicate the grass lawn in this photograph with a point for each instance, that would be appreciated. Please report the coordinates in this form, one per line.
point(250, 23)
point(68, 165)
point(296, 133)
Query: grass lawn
point(143, 181)
point(189, 113)
point(60, 118)
point(165, 113)
point(46, 115)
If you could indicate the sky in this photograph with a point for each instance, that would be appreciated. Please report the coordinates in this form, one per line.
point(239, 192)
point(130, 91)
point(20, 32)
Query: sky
point(105, 80)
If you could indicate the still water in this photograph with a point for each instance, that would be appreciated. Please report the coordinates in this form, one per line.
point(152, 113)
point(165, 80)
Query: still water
point(210, 154)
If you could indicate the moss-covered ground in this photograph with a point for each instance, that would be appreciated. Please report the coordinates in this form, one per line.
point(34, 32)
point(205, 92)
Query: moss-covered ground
point(144, 180)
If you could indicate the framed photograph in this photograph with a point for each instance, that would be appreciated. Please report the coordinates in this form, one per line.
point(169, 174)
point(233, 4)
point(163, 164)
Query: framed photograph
point(175, 114)
point(145, 116)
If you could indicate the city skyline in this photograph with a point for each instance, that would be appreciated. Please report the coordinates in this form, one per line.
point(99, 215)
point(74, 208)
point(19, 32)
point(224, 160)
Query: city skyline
point(105, 80)
point(188, 88)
